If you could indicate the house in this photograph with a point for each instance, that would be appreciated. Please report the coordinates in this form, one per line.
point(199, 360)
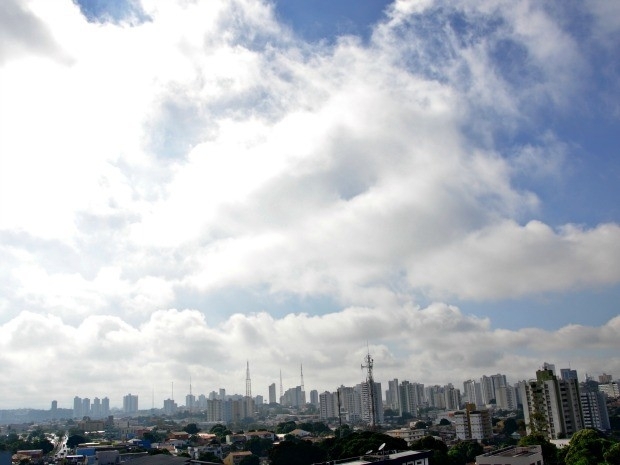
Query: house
point(234, 458)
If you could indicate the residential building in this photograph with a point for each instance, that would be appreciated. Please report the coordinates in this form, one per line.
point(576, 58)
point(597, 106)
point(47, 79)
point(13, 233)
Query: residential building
point(452, 397)
point(411, 398)
point(407, 434)
point(472, 424)
point(551, 405)
point(314, 397)
point(472, 392)
point(392, 396)
point(610, 390)
point(506, 397)
point(594, 407)
point(130, 403)
point(605, 378)
point(328, 405)
point(371, 402)
point(293, 397)
point(170, 407)
point(272, 393)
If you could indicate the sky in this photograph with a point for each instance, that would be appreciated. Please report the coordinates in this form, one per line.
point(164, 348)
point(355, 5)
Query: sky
point(190, 186)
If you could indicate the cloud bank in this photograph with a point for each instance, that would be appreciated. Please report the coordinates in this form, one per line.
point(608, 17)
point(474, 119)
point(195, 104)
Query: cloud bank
point(153, 163)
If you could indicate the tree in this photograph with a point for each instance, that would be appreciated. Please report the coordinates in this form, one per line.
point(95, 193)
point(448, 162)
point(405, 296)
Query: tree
point(587, 447)
point(444, 422)
point(612, 455)
point(75, 439)
point(296, 453)
point(286, 427)
point(510, 426)
point(438, 447)
point(549, 451)
point(250, 460)
point(191, 428)
point(258, 446)
point(465, 452)
point(359, 443)
point(209, 457)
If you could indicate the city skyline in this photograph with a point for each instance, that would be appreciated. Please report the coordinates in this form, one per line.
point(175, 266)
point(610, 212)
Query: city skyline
point(152, 401)
point(186, 186)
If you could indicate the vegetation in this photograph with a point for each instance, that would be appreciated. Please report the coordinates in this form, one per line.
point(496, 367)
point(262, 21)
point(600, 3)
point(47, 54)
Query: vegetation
point(35, 440)
point(589, 447)
point(549, 451)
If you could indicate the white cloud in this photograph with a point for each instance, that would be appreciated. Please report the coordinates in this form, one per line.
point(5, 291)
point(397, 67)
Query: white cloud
point(174, 345)
point(207, 149)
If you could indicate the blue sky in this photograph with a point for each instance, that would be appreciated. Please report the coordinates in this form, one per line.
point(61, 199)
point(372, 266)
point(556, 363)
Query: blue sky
point(294, 181)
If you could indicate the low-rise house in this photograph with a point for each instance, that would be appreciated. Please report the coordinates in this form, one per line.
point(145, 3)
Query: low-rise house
point(407, 434)
point(234, 458)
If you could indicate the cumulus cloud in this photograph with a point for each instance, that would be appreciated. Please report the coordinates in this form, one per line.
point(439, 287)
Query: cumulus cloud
point(197, 148)
point(172, 346)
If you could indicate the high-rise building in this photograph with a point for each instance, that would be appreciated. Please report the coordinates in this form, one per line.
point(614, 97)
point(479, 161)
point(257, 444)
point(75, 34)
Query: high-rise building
point(411, 398)
point(350, 404)
point(294, 397)
point(105, 407)
point(96, 408)
point(314, 397)
point(611, 390)
point(594, 407)
point(190, 402)
point(130, 403)
point(567, 373)
point(452, 397)
point(272, 393)
point(328, 405)
point(170, 407)
point(506, 397)
point(472, 392)
point(392, 396)
point(77, 407)
point(605, 378)
point(373, 415)
point(85, 406)
point(54, 409)
point(551, 405)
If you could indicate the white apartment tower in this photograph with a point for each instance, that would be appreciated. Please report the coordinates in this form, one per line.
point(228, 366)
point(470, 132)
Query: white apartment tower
point(551, 405)
point(130, 403)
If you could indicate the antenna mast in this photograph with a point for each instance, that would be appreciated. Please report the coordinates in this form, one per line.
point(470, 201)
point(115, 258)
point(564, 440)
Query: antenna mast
point(302, 379)
point(370, 383)
point(281, 392)
point(248, 381)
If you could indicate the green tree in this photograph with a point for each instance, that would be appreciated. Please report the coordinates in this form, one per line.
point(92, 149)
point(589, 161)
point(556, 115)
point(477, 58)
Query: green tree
point(587, 447)
point(191, 428)
point(220, 431)
point(76, 439)
point(250, 460)
point(549, 451)
point(612, 455)
point(286, 427)
point(296, 452)
point(209, 457)
point(437, 446)
point(510, 426)
point(465, 452)
point(444, 422)
point(258, 446)
point(359, 443)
